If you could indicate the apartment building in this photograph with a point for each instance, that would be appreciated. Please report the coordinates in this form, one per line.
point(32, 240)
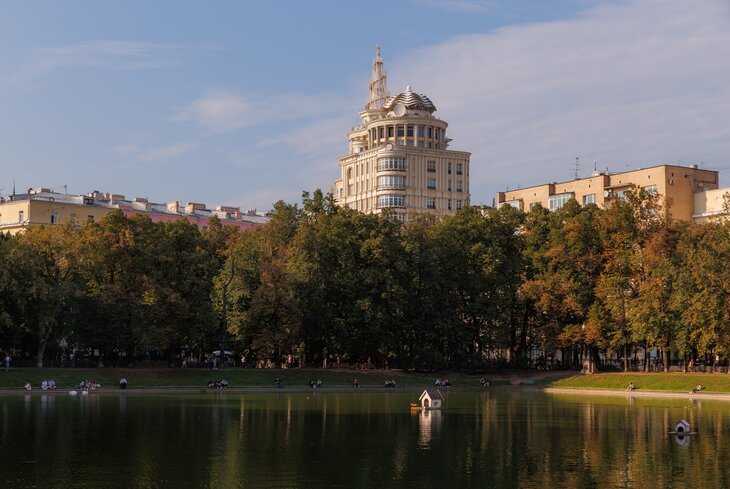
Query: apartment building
point(42, 206)
point(399, 156)
point(677, 185)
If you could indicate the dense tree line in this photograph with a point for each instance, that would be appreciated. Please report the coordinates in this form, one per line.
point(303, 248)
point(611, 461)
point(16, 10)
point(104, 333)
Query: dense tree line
point(324, 284)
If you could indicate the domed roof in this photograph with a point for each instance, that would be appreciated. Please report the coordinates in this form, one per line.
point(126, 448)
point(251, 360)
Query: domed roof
point(410, 100)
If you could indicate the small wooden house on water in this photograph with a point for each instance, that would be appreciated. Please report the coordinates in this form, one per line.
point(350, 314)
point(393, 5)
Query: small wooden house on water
point(431, 399)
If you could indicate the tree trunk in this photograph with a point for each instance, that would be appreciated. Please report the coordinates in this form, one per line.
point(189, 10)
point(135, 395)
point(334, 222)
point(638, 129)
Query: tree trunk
point(647, 359)
point(626, 358)
point(666, 352)
point(42, 341)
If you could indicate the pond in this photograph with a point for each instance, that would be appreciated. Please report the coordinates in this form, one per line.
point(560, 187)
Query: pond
point(488, 439)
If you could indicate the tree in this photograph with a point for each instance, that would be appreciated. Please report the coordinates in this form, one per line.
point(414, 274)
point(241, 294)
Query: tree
point(43, 275)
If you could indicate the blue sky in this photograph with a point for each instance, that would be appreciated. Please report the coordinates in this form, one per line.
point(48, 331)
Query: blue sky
point(246, 103)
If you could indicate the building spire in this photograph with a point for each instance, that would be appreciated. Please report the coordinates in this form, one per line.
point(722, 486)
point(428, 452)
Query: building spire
point(378, 91)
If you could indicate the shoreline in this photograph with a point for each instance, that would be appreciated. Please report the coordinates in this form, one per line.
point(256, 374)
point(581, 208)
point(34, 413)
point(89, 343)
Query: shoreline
point(164, 390)
point(714, 396)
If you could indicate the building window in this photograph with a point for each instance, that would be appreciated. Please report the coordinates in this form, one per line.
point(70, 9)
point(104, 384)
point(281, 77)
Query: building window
point(392, 181)
point(409, 131)
point(431, 203)
point(459, 186)
point(459, 169)
point(557, 201)
point(54, 218)
point(431, 166)
point(401, 131)
point(381, 132)
point(21, 216)
point(650, 189)
point(432, 184)
point(449, 186)
point(430, 132)
point(589, 199)
point(391, 163)
point(620, 194)
point(391, 201)
point(390, 131)
point(90, 218)
point(458, 205)
point(448, 204)
point(420, 131)
point(449, 166)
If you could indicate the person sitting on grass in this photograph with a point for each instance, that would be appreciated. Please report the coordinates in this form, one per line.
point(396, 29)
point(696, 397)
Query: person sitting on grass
point(27, 385)
point(631, 387)
point(123, 383)
point(277, 382)
point(697, 389)
point(223, 384)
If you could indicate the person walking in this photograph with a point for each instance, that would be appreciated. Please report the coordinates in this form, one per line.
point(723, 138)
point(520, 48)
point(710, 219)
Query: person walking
point(7, 362)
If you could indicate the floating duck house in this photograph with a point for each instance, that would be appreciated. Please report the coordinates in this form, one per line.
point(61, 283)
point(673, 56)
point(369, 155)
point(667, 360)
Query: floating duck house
point(431, 399)
point(682, 427)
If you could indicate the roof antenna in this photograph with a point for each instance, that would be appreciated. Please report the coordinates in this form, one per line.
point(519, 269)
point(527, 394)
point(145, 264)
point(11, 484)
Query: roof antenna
point(577, 166)
point(13, 186)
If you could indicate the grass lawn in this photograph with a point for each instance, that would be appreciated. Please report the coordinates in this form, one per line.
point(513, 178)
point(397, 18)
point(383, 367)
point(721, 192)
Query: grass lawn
point(673, 381)
point(168, 377)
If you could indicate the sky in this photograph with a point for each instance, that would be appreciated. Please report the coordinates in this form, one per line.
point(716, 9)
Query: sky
point(246, 103)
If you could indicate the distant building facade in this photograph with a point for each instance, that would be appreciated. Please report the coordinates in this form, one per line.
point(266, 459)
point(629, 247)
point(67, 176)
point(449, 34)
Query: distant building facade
point(681, 185)
point(41, 206)
point(399, 158)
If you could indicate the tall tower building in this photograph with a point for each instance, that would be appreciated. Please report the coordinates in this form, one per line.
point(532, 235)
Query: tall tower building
point(399, 158)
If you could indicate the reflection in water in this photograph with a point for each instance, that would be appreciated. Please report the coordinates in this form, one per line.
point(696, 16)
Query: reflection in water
point(486, 439)
point(428, 420)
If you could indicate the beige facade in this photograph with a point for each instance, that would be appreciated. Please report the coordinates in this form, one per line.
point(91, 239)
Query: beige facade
point(677, 185)
point(399, 158)
point(710, 205)
point(43, 207)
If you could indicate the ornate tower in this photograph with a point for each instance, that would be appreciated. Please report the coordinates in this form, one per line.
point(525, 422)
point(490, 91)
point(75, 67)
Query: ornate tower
point(378, 91)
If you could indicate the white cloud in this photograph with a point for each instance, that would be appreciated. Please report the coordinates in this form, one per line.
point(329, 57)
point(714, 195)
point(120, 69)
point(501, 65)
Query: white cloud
point(219, 111)
point(168, 152)
point(643, 82)
point(474, 6)
point(107, 55)
point(222, 110)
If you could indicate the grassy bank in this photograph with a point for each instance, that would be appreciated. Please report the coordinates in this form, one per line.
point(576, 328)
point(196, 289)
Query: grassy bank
point(166, 377)
point(678, 382)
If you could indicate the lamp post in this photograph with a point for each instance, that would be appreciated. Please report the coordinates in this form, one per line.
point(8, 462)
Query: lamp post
point(224, 325)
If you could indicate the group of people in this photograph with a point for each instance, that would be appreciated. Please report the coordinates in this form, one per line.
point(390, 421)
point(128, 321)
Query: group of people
point(88, 385)
point(390, 383)
point(442, 383)
point(315, 384)
point(218, 384)
point(46, 384)
point(697, 389)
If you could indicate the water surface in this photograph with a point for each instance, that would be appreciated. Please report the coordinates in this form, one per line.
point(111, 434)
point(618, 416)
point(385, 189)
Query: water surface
point(310, 440)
